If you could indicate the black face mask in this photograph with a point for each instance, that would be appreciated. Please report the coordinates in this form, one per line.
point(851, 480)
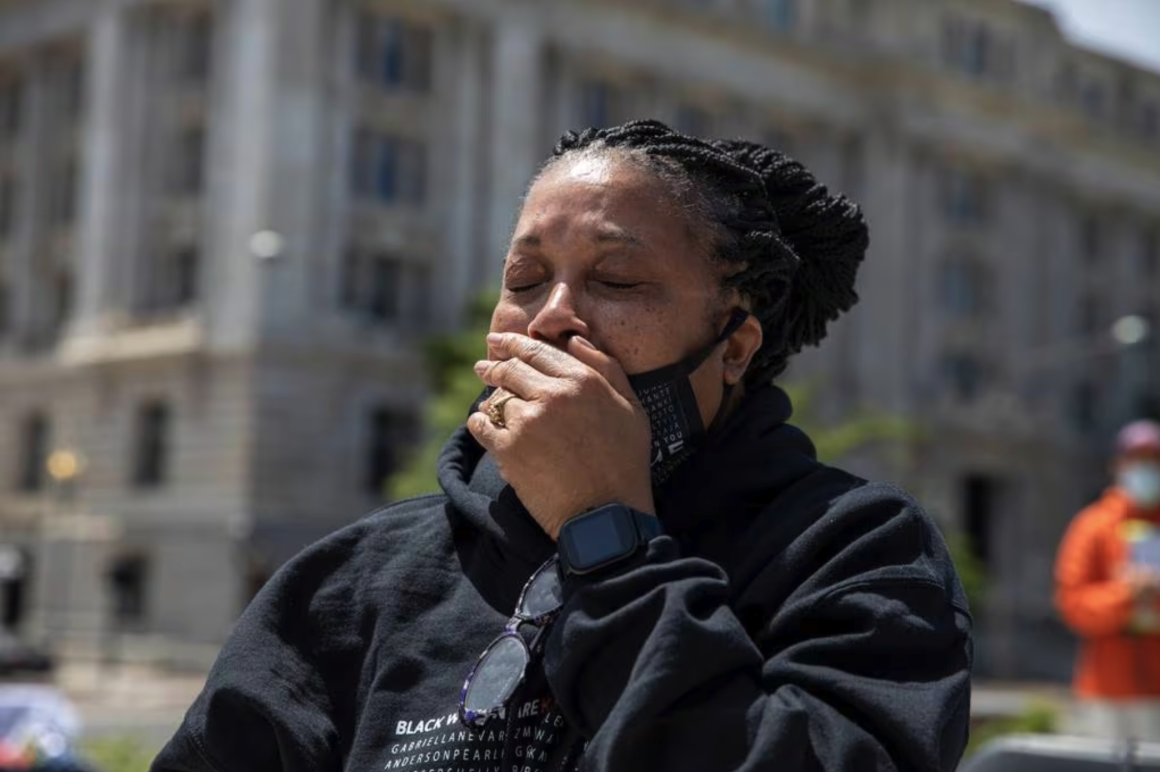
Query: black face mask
point(667, 396)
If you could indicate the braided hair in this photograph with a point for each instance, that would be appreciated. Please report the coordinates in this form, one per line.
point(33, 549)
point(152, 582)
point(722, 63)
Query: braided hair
point(789, 248)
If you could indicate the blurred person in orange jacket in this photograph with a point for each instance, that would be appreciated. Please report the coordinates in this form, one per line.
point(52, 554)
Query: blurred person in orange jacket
point(1107, 578)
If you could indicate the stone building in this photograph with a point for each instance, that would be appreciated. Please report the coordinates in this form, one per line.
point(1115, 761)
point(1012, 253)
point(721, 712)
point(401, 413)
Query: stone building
point(225, 224)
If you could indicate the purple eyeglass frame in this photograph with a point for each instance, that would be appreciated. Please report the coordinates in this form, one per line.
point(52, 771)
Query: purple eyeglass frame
point(478, 718)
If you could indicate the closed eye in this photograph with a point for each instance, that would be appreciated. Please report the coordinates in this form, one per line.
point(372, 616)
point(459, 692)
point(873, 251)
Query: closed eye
point(620, 285)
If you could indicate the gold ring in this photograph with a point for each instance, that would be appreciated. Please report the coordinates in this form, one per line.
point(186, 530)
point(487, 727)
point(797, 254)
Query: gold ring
point(495, 411)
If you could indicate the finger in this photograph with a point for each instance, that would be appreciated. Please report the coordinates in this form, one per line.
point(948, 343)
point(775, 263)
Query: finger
point(484, 431)
point(602, 363)
point(548, 359)
point(514, 376)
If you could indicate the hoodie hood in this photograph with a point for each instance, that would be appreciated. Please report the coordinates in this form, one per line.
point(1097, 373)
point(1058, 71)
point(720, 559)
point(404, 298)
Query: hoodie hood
point(742, 465)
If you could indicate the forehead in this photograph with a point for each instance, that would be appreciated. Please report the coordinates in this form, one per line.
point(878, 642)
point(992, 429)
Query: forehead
point(604, 196)
point(1144, 453)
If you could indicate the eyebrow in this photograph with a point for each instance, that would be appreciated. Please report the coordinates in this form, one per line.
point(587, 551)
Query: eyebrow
point(603, 236)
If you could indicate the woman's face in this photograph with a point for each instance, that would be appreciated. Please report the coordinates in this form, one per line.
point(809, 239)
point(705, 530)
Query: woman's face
point(601, 251)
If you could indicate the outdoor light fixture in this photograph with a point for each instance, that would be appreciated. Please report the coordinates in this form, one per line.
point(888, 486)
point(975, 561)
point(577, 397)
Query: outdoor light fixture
point(267, 245)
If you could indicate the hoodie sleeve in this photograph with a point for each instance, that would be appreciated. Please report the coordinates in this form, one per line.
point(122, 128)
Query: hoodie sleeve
point(265, 704)
point(847, 648)
point(1091, 602)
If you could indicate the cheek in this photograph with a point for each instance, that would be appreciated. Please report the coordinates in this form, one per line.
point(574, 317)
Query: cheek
point(509, 318)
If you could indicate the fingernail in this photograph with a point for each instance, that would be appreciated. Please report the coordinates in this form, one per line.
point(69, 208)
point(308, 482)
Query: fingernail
point(494, 337)
point(480, 367)
point(583, 342)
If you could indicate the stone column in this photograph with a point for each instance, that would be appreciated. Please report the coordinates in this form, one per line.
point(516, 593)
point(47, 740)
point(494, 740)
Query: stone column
point(515, 138)
point(25, 291)
point(240, 177)
point(888, 303)
point(467, 269)
point(293, 204)
point(100, 243)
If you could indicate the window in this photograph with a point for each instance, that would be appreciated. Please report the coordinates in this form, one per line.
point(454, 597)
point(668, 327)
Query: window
point(11, 108)
point(968, 47)
point(175, 279)
point(33, 453)
point(1149, 122)
point(1091, 316)
point(128, 586)
point(384, 289)
point(372, 285)
point(1090, 239)
point(7, 204)
point(186, 260)
point(1083, 406)
point(978, 497)
point(5, 309)
point(780, 14)
point(62, 291)
point(384, 286)
point(976, 51)
point(152, 445)
point(351, 279)
point(1149, 254)
point(1093, 101)
point(394, 53)
point(389, 169)
point(694, 121)
point(190, 162)
point(391, 435)
point(964, 375)
point(964, 197)
point(195, 50)
point(601, 104)
point(777, 138)
point(64, 196)
point(1065, 82)
point(853, 171)
point(70, 80)
point(963, 289)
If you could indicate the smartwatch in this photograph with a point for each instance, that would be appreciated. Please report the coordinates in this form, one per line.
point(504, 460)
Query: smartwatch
point(604, 537)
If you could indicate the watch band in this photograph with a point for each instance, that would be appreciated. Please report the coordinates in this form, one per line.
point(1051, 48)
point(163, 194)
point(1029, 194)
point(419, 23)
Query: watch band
point(648, 527)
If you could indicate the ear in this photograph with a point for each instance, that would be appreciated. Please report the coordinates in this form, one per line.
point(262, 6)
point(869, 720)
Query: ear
point(740, 350)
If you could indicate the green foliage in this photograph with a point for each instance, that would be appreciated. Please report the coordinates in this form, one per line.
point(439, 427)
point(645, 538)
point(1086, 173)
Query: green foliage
point(970, 569)
point(455, 385)
point(834, 440)
point(117, 754)
point(1038, 717)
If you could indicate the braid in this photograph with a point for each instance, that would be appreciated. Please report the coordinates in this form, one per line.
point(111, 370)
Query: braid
point(828, 232)
point(764, 212)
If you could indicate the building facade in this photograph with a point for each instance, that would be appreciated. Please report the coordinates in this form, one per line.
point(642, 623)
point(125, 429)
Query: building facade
point(226, 224)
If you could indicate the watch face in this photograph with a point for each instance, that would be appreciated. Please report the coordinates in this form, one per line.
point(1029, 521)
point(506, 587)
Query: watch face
point(592, 540)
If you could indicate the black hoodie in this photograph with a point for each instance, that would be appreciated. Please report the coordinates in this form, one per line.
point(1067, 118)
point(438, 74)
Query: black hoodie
point(793, 617)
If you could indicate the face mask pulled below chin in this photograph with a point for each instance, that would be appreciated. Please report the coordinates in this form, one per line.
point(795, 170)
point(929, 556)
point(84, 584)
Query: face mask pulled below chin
point(667, 396)
point(1141, 483)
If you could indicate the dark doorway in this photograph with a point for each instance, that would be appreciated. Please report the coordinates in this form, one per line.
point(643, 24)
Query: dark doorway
point(979, 497)
point(15, 567)
point(128, 583)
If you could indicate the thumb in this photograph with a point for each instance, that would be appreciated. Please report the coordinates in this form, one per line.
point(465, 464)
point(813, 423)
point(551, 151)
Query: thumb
point(607, 366)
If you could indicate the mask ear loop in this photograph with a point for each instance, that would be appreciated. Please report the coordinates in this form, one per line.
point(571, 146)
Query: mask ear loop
point(736, 319)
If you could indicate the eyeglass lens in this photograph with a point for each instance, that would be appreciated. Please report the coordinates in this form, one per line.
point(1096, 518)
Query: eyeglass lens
point(497, 675)
point(544, 594)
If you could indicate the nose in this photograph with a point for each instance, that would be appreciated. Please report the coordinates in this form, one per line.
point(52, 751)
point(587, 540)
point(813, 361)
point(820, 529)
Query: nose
point(559, 319)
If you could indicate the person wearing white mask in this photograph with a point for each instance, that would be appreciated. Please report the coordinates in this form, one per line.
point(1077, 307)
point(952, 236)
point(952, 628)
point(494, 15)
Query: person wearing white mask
point(1107, 579)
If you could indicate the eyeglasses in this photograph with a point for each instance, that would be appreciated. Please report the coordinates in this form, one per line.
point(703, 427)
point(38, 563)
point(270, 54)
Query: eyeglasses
point(501, 668)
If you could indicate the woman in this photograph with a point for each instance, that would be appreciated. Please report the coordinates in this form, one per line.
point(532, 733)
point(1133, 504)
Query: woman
point(692, 590)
